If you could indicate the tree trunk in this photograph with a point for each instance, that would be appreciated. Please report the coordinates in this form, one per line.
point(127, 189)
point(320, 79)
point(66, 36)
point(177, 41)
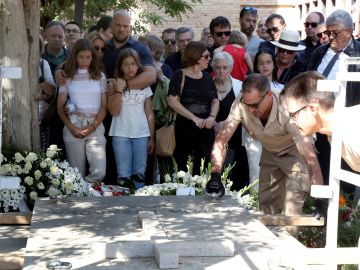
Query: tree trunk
point(19, 47)
point(79, 12)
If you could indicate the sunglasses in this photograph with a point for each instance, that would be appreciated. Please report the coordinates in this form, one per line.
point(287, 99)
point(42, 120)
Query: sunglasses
point(281, 50)
point(254, 105)
point(220, 34)
point(206, 56)
point(169, 41)
point(97, 48)
point(313, 24)
point(320, 35)
point(272, 29)
point(333, 33)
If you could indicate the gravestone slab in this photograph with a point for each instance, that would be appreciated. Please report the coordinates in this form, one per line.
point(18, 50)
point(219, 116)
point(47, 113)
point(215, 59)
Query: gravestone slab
point(69, 229)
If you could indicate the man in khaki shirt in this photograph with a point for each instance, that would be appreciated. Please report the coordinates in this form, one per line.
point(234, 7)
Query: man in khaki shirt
point(284, 177)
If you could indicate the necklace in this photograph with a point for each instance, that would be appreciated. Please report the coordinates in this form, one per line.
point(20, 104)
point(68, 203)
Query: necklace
point(224, 87)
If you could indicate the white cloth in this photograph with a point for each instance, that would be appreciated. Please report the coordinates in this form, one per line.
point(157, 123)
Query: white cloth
point(131, 122)
point(276, 87)
point(236, 86)
point(85, 92)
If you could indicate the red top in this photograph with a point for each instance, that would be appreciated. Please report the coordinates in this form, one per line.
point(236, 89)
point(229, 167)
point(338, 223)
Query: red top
point(240, 68)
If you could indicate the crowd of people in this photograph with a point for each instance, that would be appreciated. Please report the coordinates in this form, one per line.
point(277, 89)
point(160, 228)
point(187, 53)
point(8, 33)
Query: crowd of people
point(233, 92)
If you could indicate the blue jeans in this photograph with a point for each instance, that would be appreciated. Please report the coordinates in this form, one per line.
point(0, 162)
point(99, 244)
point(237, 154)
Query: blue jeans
point(130, 156)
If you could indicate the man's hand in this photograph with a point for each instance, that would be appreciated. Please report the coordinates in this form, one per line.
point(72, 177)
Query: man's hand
point(60, 77)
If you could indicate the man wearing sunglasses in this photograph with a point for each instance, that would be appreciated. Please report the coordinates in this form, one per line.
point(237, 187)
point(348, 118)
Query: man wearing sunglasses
point(220, 30)
point(168, 37)
point(275, 24)
point(248, 20)
point(311, 41)
point(284, 177)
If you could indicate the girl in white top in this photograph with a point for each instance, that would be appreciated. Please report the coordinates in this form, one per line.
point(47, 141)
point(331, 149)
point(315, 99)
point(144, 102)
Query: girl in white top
point(83, 131)
point(133, 125)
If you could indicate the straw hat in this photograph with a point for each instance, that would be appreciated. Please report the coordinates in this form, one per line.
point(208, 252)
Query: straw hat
point(289, 40)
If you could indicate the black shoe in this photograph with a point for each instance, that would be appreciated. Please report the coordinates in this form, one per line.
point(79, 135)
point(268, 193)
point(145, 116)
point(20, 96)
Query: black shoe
point(214, 188)
point(127, 185)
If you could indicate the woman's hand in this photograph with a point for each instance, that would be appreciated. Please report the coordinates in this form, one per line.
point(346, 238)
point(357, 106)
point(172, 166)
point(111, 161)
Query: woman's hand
point(85, 131)
point(209, 122)
point(77, 132)
point(199, 122)
point(151, 146)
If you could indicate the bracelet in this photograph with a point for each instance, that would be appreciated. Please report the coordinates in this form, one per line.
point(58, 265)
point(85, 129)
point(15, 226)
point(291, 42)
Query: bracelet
point(212, 115)
point(94, 126)
point(119, 92)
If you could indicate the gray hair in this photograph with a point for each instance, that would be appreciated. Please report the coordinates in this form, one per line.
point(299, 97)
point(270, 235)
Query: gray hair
point(154, 43)
point(182, 30)
point(121, 12)
point(222, 56)
point(340, 17)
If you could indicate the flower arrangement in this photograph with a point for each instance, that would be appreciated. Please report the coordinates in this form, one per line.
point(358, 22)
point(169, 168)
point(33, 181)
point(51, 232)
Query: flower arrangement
point(42, 175)
point(349, 222)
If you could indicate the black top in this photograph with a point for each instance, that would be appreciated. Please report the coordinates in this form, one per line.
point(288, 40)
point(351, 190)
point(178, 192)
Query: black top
point(267, 45)
point(296, 68)
point(224, 110)
point(304, 55)
point(197, 94)
point(174, 61)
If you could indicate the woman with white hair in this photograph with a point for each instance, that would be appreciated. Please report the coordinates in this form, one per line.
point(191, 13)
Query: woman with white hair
point(228, 89)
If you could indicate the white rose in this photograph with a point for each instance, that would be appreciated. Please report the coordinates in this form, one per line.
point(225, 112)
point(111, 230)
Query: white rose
point(54, 170)
point(167, 178)
point(55, 182)
point(31, 157)
point(28, 166)
point(33, 195)
point(180, 174)
point(37, 174)
point(52, 192)
point(50, 153)
point(29, 180)
point(18, 157)
point(43, 164)
point(53, 147)
point(69, 186)
point(6, 168)
point(40, 186)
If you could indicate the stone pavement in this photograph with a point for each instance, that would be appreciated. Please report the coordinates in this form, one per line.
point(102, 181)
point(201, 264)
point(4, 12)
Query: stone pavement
point(74, 229)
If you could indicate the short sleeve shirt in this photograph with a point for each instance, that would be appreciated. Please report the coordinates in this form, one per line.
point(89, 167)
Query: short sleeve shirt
point(111, 54)
point(277, 136)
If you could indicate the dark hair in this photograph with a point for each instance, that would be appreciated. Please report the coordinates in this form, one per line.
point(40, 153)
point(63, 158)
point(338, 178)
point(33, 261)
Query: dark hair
point(275, 16)
point(256, 61)
point(168, 31)
point(125, 53)
point(321, 16)
point(246, 10)
point(256, 81)
point(71, 64)
point(54, 23)
point(103, 23)
point(304, 88)
point(219, 21)
point(73, 22)
point(192, 53)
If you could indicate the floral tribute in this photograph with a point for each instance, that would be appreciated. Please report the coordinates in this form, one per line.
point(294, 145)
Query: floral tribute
point(42, 175)
point(349, 222)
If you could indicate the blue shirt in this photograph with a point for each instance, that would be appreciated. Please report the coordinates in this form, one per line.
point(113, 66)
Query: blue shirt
point(111, 55)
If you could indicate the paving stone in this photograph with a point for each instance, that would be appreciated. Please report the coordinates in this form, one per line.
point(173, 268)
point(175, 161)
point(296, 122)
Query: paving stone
point(123, 250)
point(166, 256)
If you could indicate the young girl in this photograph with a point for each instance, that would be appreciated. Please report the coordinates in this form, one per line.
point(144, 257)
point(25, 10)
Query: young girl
point(83, 131)
point(133, 123)
point(264, 63)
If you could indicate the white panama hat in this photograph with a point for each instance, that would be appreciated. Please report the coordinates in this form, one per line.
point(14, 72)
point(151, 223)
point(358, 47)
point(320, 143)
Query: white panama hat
point(289, 40)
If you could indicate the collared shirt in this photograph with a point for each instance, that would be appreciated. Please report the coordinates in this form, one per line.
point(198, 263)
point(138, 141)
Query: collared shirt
point(327, 58)
point(55, 60)
point(277, 136)
point(111, 54)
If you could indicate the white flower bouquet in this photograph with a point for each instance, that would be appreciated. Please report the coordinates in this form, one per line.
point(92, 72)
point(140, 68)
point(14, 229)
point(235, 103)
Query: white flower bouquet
point(42, 175)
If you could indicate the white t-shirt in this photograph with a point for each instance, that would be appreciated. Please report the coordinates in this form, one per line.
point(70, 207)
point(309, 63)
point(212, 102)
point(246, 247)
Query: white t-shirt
point(131, 122)
point(85, 92)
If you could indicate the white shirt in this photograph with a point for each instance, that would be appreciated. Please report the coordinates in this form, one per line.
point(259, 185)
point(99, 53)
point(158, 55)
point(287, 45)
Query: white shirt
point(85, 92)
point(131, 122)
point(327, 58)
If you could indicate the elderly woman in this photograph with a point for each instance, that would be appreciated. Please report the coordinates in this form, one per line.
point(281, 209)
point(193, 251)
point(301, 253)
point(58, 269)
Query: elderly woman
point(192, 95)
point(228, 89)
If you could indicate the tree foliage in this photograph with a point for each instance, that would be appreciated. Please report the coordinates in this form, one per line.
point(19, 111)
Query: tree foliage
point(94, 9)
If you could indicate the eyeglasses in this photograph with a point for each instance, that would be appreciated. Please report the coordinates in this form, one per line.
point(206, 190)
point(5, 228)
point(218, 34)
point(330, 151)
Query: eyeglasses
point(294, 115)
point(254, 105)
point(320, 35)
point(206, 56)
point(98, 48)
point(169, 41)
point(272, 29)
point(220, 34)
point(281, 50)
point(333, 33)
point(75, 31)
point(313, 24)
